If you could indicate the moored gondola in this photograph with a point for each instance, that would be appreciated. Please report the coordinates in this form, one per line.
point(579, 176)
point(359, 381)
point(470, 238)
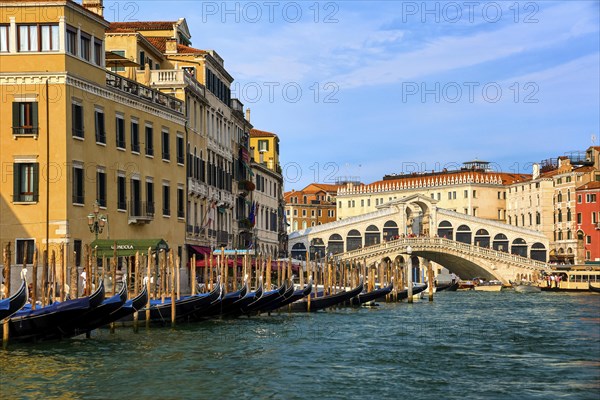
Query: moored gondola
point(297, 295)
point(267, 298)
point(160, 313)
point(320, 303)
point(449, 287)
point(14, 303)
point(223, 305)
point(92, 318)
point(593, 288)
point(289, 292)
point(237, 306)
point(130, 307)
point(417, 288)
point(363, 298)
point(28, 324)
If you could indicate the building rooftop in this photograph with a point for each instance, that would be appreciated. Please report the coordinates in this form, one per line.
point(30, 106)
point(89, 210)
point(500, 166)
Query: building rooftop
point(134, 26)
point(161, 44)
point(590, 186)
point(259, 133)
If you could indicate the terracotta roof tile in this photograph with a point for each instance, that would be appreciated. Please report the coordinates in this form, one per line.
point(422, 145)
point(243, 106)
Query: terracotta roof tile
point(415, 181)
point(141, 26)
point(590, 186)
point(587, 168)
point(183, 49)
point(259, 133)
point(161, 44)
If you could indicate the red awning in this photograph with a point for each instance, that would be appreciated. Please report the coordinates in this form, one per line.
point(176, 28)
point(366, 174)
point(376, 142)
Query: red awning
point(203, 250)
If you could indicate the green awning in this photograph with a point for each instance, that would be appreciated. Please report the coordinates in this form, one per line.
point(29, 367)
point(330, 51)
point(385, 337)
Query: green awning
point(127, 247)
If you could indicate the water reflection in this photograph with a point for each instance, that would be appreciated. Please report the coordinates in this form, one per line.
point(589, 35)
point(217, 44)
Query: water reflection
point(508, 343)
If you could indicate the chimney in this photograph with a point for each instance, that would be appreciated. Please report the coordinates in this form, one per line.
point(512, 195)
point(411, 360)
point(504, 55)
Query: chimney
point(248, 114)
point(536, 171)
point(94, 6)
point(171, 47)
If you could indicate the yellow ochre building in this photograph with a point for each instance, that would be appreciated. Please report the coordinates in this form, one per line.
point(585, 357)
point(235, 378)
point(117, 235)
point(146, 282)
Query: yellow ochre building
point(80, 141)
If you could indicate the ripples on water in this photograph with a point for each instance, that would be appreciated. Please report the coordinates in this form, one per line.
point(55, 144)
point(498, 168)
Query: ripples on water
point(463, 345)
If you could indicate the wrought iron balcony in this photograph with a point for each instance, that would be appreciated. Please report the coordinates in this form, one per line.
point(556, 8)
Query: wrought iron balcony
point(141, 212)
point(222, 237)
point(25, 130)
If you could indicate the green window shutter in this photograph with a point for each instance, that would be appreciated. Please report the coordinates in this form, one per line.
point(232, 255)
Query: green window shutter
point(34, 115)
point(16, 121)
point(73, 118)
point(36, 183)
point(16, 175)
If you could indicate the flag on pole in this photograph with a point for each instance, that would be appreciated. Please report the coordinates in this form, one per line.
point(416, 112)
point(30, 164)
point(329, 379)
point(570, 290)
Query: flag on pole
point(209, 214)
point(252, 217)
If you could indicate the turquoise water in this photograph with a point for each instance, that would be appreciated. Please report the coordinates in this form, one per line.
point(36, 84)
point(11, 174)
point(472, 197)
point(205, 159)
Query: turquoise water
point(463, 345)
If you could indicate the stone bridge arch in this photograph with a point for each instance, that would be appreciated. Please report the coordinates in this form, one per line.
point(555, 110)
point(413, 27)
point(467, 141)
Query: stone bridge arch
point(465, 260)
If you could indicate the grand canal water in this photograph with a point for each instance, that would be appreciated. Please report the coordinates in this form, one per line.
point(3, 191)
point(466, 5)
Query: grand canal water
point(463, 345)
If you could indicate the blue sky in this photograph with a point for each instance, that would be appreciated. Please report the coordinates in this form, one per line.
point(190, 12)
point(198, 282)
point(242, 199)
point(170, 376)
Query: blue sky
point(357, 88)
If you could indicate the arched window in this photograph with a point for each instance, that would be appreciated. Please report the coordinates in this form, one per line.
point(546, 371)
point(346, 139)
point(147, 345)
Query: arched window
point(519, 247)
point(559, 215)
point(559, 197)
point(538, 252)
point(390, 230)
point(335, 244)
point(463, 234)
point(500, 243)
point(372, 235)
point(568, 215)
point(317, 248)
point(445, 230)
point(299, 251)
point(353, 240)
point(482, 238)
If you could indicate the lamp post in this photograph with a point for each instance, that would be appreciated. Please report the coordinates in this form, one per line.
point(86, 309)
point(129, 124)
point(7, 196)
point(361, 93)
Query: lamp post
point(96, 221)
point(409, 273)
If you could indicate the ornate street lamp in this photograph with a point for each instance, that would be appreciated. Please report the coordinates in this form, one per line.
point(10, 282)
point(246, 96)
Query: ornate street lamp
point(96, 221)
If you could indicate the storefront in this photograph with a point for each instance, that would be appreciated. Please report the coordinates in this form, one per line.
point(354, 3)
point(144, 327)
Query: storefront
point(127, 247)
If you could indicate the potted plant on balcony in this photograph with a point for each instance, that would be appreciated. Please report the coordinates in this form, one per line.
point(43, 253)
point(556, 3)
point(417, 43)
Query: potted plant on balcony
point(245, 223)
point(247, 185)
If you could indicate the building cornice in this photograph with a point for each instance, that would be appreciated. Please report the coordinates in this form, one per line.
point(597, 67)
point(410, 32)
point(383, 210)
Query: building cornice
point(57, 3)
point(64, 78)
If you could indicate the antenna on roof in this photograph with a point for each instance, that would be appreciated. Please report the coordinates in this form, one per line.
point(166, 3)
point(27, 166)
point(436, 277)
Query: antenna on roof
point(593, 139)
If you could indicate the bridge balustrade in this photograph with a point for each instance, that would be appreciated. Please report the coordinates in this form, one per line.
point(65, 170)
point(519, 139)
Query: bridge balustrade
point(429, 242)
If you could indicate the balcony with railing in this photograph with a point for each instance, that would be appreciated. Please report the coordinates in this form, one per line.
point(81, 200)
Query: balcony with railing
point(171, 78)
point(25, 130)
point(146, 93)
point(222, 237)
point(141, 212)
point(237, 105)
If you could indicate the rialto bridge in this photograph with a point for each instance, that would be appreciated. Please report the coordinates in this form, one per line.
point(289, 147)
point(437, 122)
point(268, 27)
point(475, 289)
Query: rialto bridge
point(466, 245)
